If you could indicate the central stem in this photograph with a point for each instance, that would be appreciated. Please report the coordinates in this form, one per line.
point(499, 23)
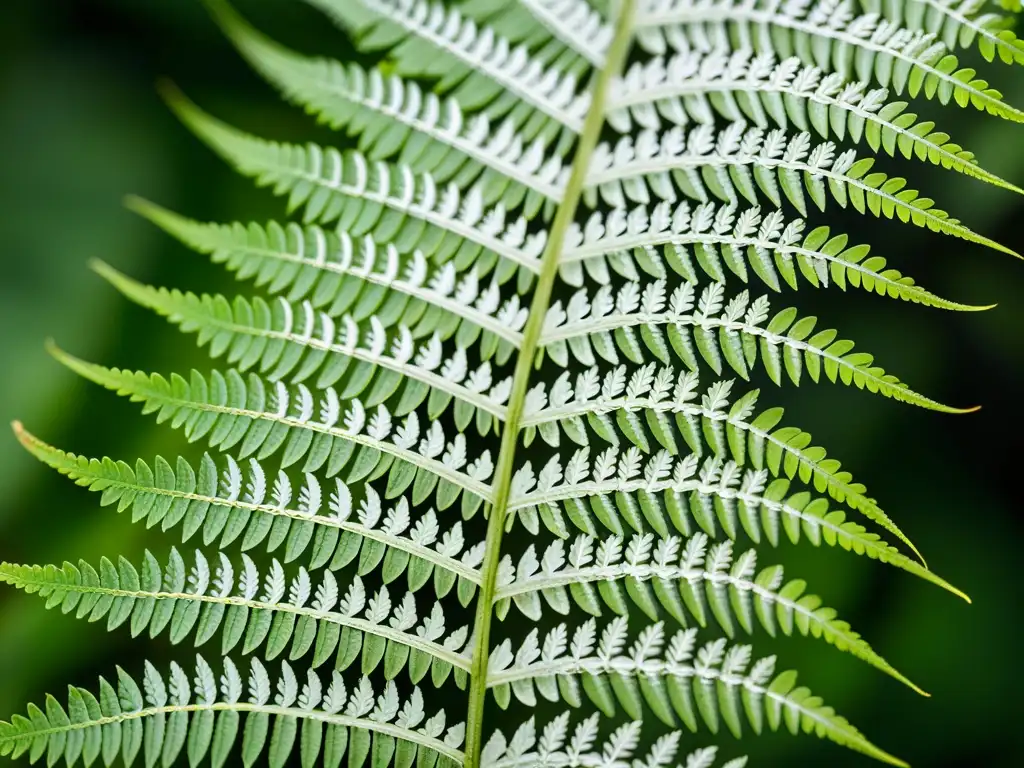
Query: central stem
point(564, 216)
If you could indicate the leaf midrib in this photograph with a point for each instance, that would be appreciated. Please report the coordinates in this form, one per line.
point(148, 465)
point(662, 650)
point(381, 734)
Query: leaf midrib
point(505, 467)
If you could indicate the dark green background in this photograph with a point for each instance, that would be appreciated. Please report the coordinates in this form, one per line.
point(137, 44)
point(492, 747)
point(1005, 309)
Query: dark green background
point(81, 125)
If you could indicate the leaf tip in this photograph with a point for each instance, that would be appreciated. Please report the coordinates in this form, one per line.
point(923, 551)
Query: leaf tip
point(136, 204)
point(28, 441)
point(50, 345)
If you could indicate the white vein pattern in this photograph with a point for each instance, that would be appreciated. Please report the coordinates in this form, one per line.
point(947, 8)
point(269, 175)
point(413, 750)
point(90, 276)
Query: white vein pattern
point(418, 195)
point(957, 22)
point(465, 294)
point(620, 231)
point(227, 585)
point(283, 695)
point(371, 342)
point(705, 24)
point(443, 287)
point(647, 387)
point(481, 50)
point(589, 649)
point(298, 407)
point(497, 146)
point(677, 89)
point(742, 85)
point(640, 167)
point(643, 557)
point(655, 389)
point(649, 304)
point(394, 527)
point(629, 471)
point(558, 747)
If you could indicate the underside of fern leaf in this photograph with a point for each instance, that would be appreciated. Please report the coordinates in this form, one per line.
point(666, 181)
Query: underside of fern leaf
point(480, 433)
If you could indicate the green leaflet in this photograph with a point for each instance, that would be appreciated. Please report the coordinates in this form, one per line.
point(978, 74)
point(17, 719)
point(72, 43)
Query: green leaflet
point(709, 329)
point(296, 342)
point(955, 27)
point(433, 42)
point(654, 410)
point(719, 242)
point(229, 410)
point(208, 720)
point(222, 502)
point(570, 34)
point(395, 118)
point(509, 176)
point(339, 275)
point(688, 496)
point(248, 610)
point(691, 583)
point(912, 64)
point(739, 163)
point(742, 86)
point(377, 199)
point(712, 684)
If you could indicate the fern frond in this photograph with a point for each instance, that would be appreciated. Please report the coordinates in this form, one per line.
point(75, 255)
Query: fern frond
point(857, 47)
point(734, 332)
point(721, 236)
point(220, 502)
point(683, 578)
point(738, 162)
point(622, 492)
point(205, 719)
point(474, 156)
point(298, 342)
point(360, 195)
point(741, 85)
point(250, 612)
point(229, 410)
point(676, 680)
point(555, 747)
point(327, 268)
point(394, 117)
point(481, 69)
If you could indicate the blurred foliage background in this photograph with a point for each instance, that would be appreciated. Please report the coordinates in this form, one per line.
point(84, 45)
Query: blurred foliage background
point(81, 125)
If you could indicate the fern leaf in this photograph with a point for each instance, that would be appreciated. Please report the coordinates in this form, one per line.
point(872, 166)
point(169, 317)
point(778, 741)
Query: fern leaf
point(357, 194)
point(326, 268)
point(229, 411)
point(427, 39)
point(683, 579)
point(167, 714)
point(297, 342)
point(739, 162)
point(220, 502)
point(394, 117)
point(740, 85)
point(672, 677)
point(250, 610)
point(721, 236)
point(863, 47)
point(720, 332)
point(379, 331)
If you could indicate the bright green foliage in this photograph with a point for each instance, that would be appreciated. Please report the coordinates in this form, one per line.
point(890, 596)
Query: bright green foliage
point(166, 717)
point(516, 285)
